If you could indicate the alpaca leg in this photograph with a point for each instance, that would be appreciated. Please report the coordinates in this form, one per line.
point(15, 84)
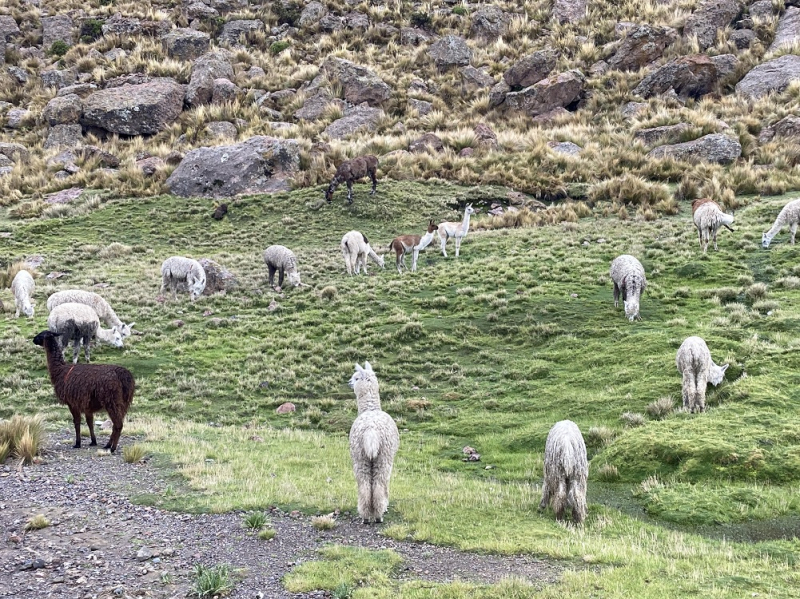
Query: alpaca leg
point(17, 314)
point(271, 274)
point(397, 262)
point(444, 242)
point(349, 192)
point(458, 245)
point(90, 424)
point(374, 176)
point(545, 494)
point(794, 230)
point(87, 348)
point(616, 295)
point(577, 499)
point(715, 239)
point(686, 392)
point(364, 496)
point(76, 348)
point(380, 491)
point(700, 392)
point(560, 500)
point(281, 273)
point(414, 259)
point(76, 420)
point(116, 431)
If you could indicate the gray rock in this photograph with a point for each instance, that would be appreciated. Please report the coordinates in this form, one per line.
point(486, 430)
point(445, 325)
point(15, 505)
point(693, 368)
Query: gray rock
point(57, 29)
point(56, 78)
point(489, 23)
point(449, 52)
point(224, 91)
point(497, 95)
point(144, 554)
point(473, 79)
point(559, 90)
point(16, 152)
point(551, 115)
point(114, 54)
point(233, 31)
point(135, 109)
point(742, 38)
point(726, 64)
point(689, 76)
point(359, 84)
point(79, 89)
point(665, 133)
point(18, 73)
point(773, 76)
point(361, 117)
point(565, 147)
point(312, 13)
point(356, 20)
point(255, 72)
point(16, 117)
point(642, 45)
point(715, 147)
point(9, 30)
point(787, 127)
point(788, 32)
point(427, 143)
point(486, 137)
point(633, 109)
point(222, 130)
point(6, 162)
point(185, 44)
point(218, 278)
point(531, 69)
point(421, 106)
point(150, 165)
point(569, 11)
point(63, 136)
point(257, 165)
point(599, 68)
point(122, 26)
point(761, 9)
point(711, 16)
point(315, 107)
point(411, 36)
point(63, 110)
point(331, 23)
point(206, 69)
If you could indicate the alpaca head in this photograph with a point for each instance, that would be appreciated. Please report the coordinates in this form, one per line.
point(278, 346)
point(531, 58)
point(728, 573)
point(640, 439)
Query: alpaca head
point(329, 193)
point(469, 209)
point(632, 309)
point(42, 338)
point(364, 380)
point(27, 308)
point(294, 278)
point(765, 240)
point(432, 228)
point(116, 336)
point(126, 329)
point(197, 286)
point(717, 373)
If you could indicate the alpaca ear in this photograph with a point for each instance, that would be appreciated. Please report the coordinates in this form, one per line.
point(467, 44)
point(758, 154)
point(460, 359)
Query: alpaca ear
point(130, 326)
point(724, 367)
point(368, 367)
point(358, 368)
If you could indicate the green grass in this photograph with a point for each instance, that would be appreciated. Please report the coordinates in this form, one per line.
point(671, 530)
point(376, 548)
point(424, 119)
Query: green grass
point(213, 581)
point(343, 566)
point(488, 350)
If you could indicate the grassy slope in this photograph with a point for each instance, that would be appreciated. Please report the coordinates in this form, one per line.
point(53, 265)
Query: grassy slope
point(487, 350)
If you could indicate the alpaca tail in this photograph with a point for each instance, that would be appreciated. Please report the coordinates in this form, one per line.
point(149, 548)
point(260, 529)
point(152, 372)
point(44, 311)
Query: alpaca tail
point(128, 387)
point(371, 443)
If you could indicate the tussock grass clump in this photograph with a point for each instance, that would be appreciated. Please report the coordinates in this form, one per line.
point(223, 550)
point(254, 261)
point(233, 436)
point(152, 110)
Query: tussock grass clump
point(661, 408)
point(608, 473)
point(600, 436)
point(633, 419)
point(133, 454)
point(756, 292)
point(214, 581)
point(37, 522)
point(329, 292)
point(22, 437)
point(789, 282)
point(631, 190)
point(255, 520)
point(267, 534)
point(326, 522)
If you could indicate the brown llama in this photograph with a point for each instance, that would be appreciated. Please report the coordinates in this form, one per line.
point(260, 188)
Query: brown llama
point(88, 388)
point(220, 212)
point(411, 243)
point(351, 171)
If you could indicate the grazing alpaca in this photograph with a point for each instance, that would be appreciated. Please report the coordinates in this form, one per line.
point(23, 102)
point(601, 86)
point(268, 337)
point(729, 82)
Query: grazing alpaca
point(22, 287)
point(88, 388)
point(355, 249)
point(353, 170)
point(373, 444)
point(627, 273)
point(789, 215)
point(698, 369)
point(565, 471)
point(94, 301)
point(282, 259)
point(708, 218)
point(457, 231)
point(178, 271)
point(80, 324)
point(411, 243)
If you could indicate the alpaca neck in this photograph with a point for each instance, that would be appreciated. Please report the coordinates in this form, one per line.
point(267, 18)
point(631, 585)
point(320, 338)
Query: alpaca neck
point(373, 256)
point(465, 224)
point(726, 219)
point(55, 360)
point(424, 241)
point(368, 401)
point(776, 227)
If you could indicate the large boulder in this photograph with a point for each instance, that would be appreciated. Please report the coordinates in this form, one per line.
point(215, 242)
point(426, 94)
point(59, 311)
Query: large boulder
point(233, 31)
point(57, 29)
point(9, 30)
point(726, 65)
point(449, 52)
point(762, 9)
point(224, 91)
point(122, 26)
point(787, 127)
point(316, 106)
point(206, 69)
point(359, 84)
point(185, 44)
point(530, 69)
point(428, 143)
point(56, 78)
point(63, 110)
point(197, 10)
point(690, 76)
point(710, 17)
point(134, 109)
point(14, 151)
point(312, 13)
point(715, 147)
point(412, 36)
point(642, 45)
point(259, 165)
point(665, 133)
point(488, 23)
point(772, 76)
point(358, 118)
point(557, 91)
point(788, 33)
point(569, 11)
point(218, 278)
point(64, 136)
point(473, 79)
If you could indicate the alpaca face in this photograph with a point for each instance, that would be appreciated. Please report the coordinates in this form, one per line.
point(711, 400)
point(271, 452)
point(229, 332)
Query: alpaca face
point(27, 309)
point(44, 335)
point(116, 339)
point(717, 374)
point(196, 288)
point(631, 309)
point(294, 278)
point(362, 378)
point(765, 241)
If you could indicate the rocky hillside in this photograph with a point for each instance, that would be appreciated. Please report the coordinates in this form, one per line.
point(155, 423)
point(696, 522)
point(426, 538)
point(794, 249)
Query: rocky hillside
point(596, 100)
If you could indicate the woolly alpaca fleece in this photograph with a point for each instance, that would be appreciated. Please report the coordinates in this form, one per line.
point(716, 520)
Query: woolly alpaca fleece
point(88, 388)
point(282, 259)
point(565, 471)
point(708, 218)
point(789, 215)
point(374, 441)
point(178, 271)
point(627, 273)
point(94, 301)
point(22, 287)
point(355, 249)
point(698, 369)
point(79, 323)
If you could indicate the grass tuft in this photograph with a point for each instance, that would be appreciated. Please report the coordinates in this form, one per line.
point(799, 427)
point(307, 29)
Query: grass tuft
point(22, 436)
point(37, 522)
point(633, 419)
point(267, 534)
point(133, 454)
point(255, 520)
point(661, 408)
point(213, 581)
point(326, 522)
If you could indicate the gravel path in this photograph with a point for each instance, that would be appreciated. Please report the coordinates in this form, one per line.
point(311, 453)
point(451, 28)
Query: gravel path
point(100, 545)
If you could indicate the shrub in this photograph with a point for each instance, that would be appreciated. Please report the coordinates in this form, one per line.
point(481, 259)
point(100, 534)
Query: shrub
point(326, 522)
point(629, 189)
point(421, 19)
point(58, 48)
point(37, 522)
point(213, 581)
point(133, 454)
point(288, 12)
point(661, 408)
point(460, 10)
point(756, 291)
point(255, 520)
point(91, 29)
point(278, 47)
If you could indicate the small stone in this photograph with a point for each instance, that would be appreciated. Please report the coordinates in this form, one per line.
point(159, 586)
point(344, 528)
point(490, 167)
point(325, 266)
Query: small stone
point(285, 408)
point(144, 554)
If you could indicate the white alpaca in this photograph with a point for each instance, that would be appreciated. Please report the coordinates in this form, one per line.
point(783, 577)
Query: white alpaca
point(178, 271)
point(698, 369)
point(80, 324)
point(789, 215)
point(411, 243)
point(94, 301)
point(355, 249)
point(565, 471)
point(457, 231)
point(374, 440)
point(22, 287)
point(627, 273)
point(281, 259)
point(708, 218)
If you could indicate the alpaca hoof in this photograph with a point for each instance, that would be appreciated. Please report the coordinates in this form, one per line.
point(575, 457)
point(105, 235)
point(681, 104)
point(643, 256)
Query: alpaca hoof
point(93, 443)
point(76, 446)
point(378, 520)
point(366, 520)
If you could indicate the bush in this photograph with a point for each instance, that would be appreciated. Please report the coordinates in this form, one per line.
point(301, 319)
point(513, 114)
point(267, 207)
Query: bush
point(629, 189)
point(278, 47)
point(91, 29)
point(133, 454)
point(421, 19)
point(212, 582)
point(58, 48)
point(608, 473)
point(255, 520)
point(288, 12)
point(633, 419)
point(267, 534)
point(38, 522)
point(460, 10)
point(326, 522)
point(21, 436)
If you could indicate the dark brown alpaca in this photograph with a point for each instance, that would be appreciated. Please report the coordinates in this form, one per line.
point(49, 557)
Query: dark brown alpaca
point(353, 170)
point(220, 212)
point(88, 388)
